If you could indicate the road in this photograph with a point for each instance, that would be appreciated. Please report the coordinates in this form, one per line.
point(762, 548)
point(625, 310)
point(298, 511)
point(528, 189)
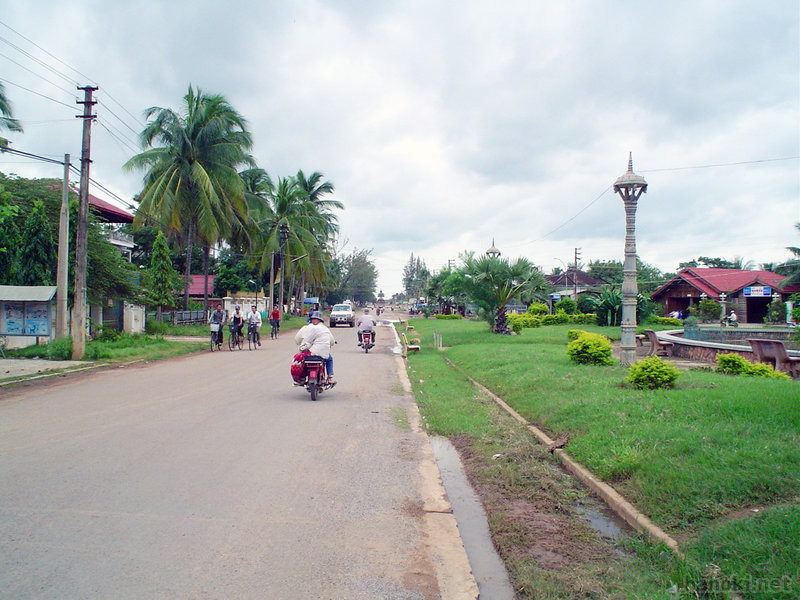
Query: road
point(211, 476)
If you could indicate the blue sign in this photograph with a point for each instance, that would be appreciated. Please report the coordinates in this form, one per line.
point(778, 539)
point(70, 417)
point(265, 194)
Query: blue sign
point(758, 291)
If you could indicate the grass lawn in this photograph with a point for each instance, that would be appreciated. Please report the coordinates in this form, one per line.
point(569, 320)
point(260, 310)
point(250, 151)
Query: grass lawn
point(697, 459)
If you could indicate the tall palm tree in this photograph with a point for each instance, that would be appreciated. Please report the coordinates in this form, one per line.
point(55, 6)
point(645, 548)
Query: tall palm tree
point(791, 268)
point(6, 119)
point(192, 186)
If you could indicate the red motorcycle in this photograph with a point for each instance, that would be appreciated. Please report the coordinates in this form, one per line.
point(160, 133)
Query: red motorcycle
point(366, 340)
point(309, 372)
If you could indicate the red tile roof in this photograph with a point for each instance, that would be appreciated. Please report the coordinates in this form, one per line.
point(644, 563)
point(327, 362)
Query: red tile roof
point(196, 285)
point(714, 281)
point(109, 212)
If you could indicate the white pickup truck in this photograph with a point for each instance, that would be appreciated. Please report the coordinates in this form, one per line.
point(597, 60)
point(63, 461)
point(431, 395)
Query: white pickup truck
point(342, 314)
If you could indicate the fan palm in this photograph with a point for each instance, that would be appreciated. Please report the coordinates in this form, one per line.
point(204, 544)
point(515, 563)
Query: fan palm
point(6, 120)
point(495, 282)
point(192, 187)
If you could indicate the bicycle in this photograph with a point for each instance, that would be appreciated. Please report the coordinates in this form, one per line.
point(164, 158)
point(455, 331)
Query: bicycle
point(273, 332)
point(236, 339)
point(215, 343)
point(253, 336)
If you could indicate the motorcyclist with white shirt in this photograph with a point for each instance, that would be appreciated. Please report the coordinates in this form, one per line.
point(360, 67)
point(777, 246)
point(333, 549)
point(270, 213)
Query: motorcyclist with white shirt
point(317, 339)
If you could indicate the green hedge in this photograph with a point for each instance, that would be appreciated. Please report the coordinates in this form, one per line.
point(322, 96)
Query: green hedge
point(527, 320)
point(735, 364)
point(590, 349)
point(448, 317)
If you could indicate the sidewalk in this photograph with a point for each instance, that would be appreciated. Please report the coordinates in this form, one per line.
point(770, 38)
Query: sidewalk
point(16, 367)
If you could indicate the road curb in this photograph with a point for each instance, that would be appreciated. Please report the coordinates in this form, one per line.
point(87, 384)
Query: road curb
point(451, 565)
point(609, 495)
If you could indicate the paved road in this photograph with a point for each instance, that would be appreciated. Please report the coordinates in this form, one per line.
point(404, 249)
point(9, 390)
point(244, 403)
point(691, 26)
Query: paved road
point(210, 476)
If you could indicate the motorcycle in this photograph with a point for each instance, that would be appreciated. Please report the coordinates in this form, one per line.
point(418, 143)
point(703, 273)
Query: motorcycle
point(311, 374)
point(366, 340)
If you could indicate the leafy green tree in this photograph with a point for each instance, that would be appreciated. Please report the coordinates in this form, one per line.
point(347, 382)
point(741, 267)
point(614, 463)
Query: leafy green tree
point(192, 186)
point(791, 268)
point(608, 307)
point(38, 256)
point(161, 280)
point(415, 276)
point(9, 239)
point(609, 271)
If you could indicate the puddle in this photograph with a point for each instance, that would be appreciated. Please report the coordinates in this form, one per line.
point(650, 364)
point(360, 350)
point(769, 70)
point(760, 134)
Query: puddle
point(487, 568)
point(603, 520)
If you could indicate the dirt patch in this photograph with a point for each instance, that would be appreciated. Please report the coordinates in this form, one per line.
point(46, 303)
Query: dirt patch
point(534, 517)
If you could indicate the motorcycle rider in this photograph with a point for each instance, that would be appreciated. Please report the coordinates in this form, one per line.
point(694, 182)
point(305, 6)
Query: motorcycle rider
point(317, 339)
point(366, 322)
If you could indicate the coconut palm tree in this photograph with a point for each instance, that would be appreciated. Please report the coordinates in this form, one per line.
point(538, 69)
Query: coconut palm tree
point(6, 119)
point(192, 187)
point(791, 268)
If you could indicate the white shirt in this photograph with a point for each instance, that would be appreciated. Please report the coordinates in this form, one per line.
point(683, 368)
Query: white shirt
point(318, 338)
point(366, 321)
point(254, 317)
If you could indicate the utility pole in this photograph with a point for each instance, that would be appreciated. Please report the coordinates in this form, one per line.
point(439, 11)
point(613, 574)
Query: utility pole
point(63, 254)
point(271, 281)
point(78, 328)
point(575, 275)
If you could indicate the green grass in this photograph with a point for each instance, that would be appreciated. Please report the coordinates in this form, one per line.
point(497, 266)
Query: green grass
point(687, 457)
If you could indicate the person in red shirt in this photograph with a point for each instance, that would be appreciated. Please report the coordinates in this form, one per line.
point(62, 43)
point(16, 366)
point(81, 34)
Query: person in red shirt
point(275, 318)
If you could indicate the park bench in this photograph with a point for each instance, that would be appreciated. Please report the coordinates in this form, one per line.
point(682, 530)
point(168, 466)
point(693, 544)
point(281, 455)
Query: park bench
point(412, 347)
point(657, 346)
point(773, 352)
point(640, 338)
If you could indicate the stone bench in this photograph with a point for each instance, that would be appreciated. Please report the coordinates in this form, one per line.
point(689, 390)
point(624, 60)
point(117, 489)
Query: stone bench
point(412, 347)
point(773, 352)
point(657, 346)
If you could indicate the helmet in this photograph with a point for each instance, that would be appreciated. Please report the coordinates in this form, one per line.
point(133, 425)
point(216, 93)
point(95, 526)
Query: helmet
point(315, 315)
point(238, 307)
point(366, 309)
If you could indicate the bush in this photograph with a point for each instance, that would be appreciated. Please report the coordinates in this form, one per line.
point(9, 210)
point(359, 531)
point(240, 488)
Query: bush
point(735, 364)
point(107, 335)
point(538, 308)
point(708, 310)
point(560, 318)
point(586, 303)
point(574, 334)
point(731, 364)
point(518, 322)
point(568, 305)
point(652, 374)
point(590, 348)
point(666, 321)
point(153, 327)
point(449, 317)
point(60, 349)
point(584, 318)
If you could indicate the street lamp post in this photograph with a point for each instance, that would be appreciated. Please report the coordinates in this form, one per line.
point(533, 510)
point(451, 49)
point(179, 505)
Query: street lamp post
point(722, 297)
point(284, 233)
point(255, 285)
point(630, 187)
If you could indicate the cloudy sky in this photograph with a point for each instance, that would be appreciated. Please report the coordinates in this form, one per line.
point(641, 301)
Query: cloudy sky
point(446, 124)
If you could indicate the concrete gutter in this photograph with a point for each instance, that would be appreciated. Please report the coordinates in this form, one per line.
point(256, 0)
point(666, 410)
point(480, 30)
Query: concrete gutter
point(610, 496)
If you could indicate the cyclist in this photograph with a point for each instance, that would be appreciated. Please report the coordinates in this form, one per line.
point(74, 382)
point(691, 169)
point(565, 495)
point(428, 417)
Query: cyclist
point(218, 317)
point(254, 322)
point(237, 321)
point(275, 318)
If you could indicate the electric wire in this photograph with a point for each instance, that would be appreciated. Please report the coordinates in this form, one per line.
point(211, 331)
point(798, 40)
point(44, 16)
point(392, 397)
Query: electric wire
point(37, 93)
point(37, 74)
point(37, 61)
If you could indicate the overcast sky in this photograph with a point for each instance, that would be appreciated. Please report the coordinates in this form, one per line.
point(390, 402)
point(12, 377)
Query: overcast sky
point(444, 125)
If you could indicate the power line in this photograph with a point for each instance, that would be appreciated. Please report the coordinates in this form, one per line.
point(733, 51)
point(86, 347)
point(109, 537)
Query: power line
point(35, 73)
point(37, 93)
point(121, 140)
point(731, 164)
point(104, 105)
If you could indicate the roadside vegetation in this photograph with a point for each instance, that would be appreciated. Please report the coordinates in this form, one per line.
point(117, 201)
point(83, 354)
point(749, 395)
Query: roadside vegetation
point(714, 461)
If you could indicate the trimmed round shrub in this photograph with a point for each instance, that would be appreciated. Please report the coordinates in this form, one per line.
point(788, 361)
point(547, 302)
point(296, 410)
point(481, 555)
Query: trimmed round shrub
point(590, 349)
point(453, 317)
point(652, 374)
point(764, 370)
point(731, 364)
point(667, 321)
point(538, 308)
point(574, 334)
point(560, 318)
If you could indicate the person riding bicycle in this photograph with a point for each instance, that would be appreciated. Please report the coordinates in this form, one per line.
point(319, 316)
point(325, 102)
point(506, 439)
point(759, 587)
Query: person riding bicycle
point(275, 318)
point(366, 322)
point(217, 317)
point(254, 322)
point(237, 321)
point(317, 339)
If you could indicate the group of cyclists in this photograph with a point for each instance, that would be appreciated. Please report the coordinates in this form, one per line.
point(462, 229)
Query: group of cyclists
point(237, 320)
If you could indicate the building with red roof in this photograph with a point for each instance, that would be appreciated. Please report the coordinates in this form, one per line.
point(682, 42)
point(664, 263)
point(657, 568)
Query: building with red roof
point(747, 292)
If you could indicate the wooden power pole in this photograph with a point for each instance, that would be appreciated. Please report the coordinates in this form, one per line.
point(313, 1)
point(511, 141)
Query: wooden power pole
point(78, 328)
point(63, 253)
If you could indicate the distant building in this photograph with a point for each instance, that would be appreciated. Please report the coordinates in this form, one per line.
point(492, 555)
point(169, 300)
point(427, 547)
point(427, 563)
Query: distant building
point(747, 292)
point(573, 282)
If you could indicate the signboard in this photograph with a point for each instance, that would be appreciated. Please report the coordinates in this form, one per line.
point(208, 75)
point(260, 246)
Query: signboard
point(25, 318)
point(758, 291)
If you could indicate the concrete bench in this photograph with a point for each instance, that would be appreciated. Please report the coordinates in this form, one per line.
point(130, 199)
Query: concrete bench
point(640, 338)
point(411, 347)
point(657, 346)
point(773, 352)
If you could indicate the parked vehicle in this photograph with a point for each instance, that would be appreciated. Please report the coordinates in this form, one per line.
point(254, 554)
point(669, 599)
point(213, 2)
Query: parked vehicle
point(342, 314)
point(367, 340)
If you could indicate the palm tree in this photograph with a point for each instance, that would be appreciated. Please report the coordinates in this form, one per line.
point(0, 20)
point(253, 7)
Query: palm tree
point(791, 268)
point(6, 120)
point(192, 187)
point(494, 282)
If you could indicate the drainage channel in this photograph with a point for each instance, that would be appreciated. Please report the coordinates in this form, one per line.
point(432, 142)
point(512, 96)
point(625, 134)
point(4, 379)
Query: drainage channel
point(487, 568)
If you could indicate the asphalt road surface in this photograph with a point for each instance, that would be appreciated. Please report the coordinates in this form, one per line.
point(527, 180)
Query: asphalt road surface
point(211, 476)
